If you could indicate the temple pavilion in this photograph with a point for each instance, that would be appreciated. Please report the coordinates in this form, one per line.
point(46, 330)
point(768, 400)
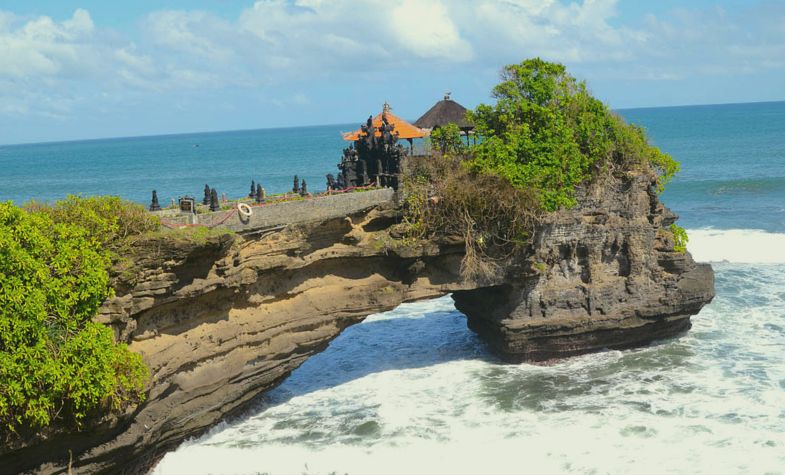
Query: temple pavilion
point(404, 129)
point(444, 112)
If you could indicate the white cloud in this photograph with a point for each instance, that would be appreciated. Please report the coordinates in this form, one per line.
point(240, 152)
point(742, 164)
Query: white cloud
point(191, 32)
point(48, 66)
point(425, 29)
point(45, 64)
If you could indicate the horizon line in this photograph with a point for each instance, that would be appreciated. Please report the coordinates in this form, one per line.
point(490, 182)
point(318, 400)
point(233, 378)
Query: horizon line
point(203, 132)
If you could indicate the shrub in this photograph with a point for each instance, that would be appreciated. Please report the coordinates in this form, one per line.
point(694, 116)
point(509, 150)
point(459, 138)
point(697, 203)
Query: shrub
point(109, 219)
point(56, 364)
point(680, 238)
point(544, 136)
point(447, 140)
point(547, 133)
point(445, 197)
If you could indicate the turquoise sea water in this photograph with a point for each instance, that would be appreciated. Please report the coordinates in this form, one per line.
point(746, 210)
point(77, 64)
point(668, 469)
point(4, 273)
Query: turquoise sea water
point(174, 165)
point(733, 163)
point(414, 391)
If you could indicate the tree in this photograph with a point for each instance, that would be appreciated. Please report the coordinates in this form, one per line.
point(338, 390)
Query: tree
point(56, 364)
point(547, 133)
point(447, 139)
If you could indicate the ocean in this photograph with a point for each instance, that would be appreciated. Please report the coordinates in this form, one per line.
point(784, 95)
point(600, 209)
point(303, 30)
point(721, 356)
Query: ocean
point(414, 391)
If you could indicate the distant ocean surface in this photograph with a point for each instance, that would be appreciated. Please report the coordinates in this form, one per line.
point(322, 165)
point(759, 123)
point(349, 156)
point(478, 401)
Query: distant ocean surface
point(414, 391)
point(173, 165)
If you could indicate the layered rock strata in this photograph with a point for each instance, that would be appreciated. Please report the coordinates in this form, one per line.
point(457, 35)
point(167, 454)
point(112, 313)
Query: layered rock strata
point(222, 320)
point(601, 275)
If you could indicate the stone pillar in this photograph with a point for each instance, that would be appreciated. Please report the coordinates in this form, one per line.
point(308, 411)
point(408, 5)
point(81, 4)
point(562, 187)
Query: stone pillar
point(154, 206)
point(214, 204)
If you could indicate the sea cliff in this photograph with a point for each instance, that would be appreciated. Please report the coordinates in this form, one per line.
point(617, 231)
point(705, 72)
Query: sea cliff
point(221, 320)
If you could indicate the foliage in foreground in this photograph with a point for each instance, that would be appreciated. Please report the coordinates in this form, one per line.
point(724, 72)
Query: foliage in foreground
point(109, 219)
point(547, 133)
point(56, 364)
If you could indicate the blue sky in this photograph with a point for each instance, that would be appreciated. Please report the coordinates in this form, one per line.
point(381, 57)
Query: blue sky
point(90, 69)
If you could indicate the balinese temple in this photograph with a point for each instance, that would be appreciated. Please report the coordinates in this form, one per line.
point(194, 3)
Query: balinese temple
point(374, 157)
point(444, 112)
point(403, 129)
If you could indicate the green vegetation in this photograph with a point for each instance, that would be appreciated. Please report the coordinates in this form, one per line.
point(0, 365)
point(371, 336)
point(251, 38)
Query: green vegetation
point(544, 136)
point(548, 134)
point(57, 366)
point(447, 140)
point(108, 219)
point(445, 197)
point(680, 238)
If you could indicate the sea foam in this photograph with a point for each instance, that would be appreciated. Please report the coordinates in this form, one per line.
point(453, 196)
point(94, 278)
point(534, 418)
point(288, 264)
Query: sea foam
point(742, 246)
point(414, 391)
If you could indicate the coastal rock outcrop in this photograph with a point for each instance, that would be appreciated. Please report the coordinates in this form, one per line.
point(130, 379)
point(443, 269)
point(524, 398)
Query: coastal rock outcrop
point(601, 275)
point(222, 319)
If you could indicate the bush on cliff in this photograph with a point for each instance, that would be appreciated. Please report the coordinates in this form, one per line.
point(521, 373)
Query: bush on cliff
point(445, 197)
point(109, 219)
point(544, 136)
point(680, 238)
point(57, 366)
point(548, 134)
point(447, 140)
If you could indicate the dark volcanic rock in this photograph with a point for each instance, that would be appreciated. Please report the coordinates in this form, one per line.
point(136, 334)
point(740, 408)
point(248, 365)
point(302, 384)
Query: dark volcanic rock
point(220, 321)
point(602, 275)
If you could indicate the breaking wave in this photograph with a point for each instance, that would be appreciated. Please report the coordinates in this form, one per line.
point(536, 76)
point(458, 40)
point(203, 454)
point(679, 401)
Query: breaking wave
point(414, 391)
point(742, 246)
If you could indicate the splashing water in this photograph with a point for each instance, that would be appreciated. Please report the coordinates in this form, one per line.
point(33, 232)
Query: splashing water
point(413, 391)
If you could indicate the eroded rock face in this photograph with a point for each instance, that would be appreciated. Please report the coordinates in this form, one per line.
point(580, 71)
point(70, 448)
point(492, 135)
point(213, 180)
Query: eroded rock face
point(602, 275)
point(221, 321)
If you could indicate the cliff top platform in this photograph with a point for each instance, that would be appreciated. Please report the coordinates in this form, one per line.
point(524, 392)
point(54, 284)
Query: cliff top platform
point(279, 212)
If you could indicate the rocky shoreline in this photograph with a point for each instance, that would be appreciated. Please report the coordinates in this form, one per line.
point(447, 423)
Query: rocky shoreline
point(221, 321)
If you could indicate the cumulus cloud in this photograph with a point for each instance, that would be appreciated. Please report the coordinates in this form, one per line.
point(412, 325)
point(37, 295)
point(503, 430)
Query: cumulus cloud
point(285, 38)
point(46, 65)
point(52, 65)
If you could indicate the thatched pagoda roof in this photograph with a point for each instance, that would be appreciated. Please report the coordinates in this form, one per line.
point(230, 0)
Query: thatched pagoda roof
point(444, 112)
point(404, 129)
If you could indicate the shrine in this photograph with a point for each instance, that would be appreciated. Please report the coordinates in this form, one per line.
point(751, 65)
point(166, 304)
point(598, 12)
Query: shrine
point(375, 155)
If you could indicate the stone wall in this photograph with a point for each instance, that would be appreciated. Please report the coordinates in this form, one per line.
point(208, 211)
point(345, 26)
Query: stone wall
point(277, 214)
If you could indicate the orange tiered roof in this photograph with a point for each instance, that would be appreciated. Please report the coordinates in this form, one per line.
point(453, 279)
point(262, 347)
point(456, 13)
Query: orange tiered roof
point(404, 129)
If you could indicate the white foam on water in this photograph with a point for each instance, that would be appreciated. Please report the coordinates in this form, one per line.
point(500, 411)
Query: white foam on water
point(736, 245)
point(413, 391)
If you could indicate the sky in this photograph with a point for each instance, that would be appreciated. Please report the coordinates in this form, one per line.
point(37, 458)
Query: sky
point(92, 68)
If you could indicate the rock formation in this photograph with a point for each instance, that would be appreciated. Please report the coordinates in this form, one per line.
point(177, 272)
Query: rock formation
point(221, 320)
point(601, 275)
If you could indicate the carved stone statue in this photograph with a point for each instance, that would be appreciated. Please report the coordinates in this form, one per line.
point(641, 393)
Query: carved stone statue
point(259, 193)
point(253, 190)
point(331, 184)
point(154, 206)
point(214, 204)
point(371, 158)
point(296, 185)
point(304, 188)
point(206, 199)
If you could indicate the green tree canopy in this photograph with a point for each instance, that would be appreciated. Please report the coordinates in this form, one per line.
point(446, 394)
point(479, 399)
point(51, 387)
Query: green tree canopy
point(55, 362)
point(447, 139)
point(547, 133)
